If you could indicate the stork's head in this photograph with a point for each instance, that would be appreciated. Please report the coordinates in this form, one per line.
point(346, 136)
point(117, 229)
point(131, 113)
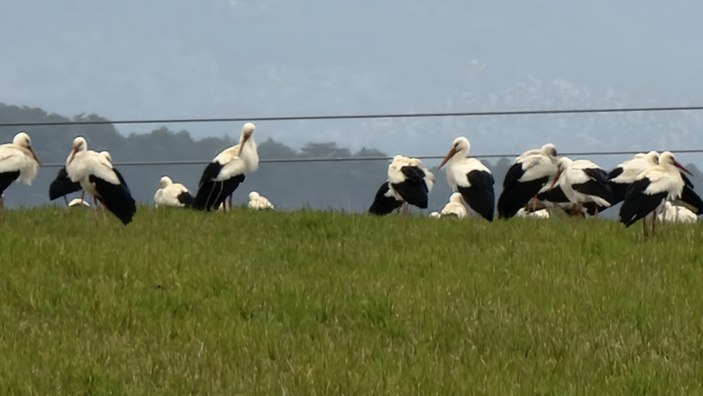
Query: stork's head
point(22, 139)
point(549, 150)
point(668, 159)
point(165, 181)
point(247, 132)
point(652, 157)
point(459, 145)
point(562, 164)
point(79, 144)
point(253, 195)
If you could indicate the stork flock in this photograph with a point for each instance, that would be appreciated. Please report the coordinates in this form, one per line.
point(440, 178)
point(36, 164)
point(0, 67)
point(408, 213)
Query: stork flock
point(538, 181)
point(94, 173)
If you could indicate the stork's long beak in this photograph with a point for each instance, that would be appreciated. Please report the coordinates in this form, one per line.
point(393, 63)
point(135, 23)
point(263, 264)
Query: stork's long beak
point(241, 145)
point(678, 165)
point(34, 154)
point(73, 154)
point(555, 179)
point(450, 154)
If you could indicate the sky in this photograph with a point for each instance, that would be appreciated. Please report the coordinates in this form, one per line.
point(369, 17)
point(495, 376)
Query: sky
point(245, 58)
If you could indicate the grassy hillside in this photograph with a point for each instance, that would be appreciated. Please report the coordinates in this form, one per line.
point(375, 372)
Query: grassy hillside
point(326, 303)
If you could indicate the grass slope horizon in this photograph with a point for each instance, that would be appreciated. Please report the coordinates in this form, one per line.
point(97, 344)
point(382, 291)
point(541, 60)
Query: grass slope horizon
point(323, 302)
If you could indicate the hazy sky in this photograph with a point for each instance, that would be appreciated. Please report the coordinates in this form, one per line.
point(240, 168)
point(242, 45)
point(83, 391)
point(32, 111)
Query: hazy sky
point(223, 58)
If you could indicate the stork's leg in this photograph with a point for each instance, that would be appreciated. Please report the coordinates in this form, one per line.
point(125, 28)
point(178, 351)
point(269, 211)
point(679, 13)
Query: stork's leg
point(644, 226)
point(65, 200)
point(406, 210)
point(2, 202)
point(654, 222)
point(229, 201)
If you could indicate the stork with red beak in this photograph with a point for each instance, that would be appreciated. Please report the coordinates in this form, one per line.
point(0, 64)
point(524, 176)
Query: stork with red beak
point(227, 170)
point(471, 178)
point(651, 189)
point(18, 162)
point(97, 176)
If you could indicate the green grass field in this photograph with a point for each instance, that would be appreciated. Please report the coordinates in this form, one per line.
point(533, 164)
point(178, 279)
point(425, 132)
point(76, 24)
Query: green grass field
point(326, 303)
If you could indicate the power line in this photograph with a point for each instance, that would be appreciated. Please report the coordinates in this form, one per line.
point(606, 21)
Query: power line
point(355, 116)
point(368, 159)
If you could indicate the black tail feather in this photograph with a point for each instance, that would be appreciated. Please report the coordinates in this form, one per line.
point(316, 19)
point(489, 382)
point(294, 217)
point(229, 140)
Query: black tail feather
point(383, 205)
point(116, 198)
point(212, 193)
point(62, 185)
point(186, 199)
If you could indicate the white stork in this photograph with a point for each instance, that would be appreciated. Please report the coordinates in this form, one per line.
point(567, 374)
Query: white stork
point(18, 162)
point(172, 194)
point(455, 207)
point(651, 189)
point(227, 170)
point(537, 214)
point(583, 183)
point(98, 177)
point(259, 202)
point(524, 179)
point(62, 185)
point(671, 213)
point(409, 182)
point(471, 178)
point(626, 173)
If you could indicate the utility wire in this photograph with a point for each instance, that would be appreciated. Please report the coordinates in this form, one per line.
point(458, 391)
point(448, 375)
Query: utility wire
point(365, 159)
point(354, 116)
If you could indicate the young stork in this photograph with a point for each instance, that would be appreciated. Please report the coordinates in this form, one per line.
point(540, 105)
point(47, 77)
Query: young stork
point(651, 189)
point(227, 170)
point(584, 183)
point(409, 182)
point(622, 177)
point(524, 179)
point(471, 178)
point(671, 213)
point(455, 207)
point(259, 202)
point(97, 176)
point(172, 194)
point(18, 162)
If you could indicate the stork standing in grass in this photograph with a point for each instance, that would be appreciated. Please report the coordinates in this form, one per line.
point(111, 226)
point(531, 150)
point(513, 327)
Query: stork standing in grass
point(652, 189)
point(408, 183)
point(18, 162)
point(623, 175)
point(227, 170)
point(471, 178)
point(583, 183)
point(97, 176)
point(524, 179)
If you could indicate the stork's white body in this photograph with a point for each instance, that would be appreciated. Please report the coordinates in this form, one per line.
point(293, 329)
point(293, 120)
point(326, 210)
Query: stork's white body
point(19, 157)
point(670, 213)
point(573, 174)
point(168, 192)
point(455, 207)
point(259, 202)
